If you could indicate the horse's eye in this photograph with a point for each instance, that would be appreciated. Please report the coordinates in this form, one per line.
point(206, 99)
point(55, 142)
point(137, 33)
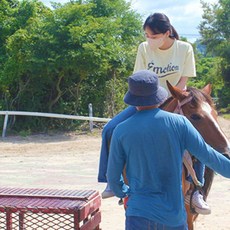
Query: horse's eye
point(195, 117)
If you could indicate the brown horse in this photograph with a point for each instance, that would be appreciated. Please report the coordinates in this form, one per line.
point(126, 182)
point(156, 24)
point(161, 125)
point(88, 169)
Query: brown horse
point(199, 108)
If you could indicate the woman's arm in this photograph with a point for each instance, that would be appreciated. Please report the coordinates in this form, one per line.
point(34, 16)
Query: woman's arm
point(182, 83)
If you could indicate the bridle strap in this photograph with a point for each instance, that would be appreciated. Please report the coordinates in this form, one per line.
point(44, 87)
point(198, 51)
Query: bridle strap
point(178, 109)
point(187, 164)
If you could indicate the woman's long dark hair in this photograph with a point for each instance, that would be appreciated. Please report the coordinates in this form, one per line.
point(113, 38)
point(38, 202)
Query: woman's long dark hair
point(159, 23)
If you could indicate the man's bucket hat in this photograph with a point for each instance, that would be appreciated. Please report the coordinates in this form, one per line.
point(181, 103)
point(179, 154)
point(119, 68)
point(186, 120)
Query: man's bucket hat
point(144, 89)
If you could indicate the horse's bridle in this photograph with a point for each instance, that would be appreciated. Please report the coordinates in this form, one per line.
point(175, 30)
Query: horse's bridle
point(178, 109)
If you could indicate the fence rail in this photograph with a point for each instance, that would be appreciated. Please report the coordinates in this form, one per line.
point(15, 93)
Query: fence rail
point(90, 118)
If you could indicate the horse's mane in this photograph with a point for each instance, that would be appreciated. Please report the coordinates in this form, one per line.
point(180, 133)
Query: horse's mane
point(199, 96)
point(168, 100)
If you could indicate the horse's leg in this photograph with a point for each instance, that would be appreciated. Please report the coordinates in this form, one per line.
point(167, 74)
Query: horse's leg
point(190, 217)
point(185, 183)
point(186, 186)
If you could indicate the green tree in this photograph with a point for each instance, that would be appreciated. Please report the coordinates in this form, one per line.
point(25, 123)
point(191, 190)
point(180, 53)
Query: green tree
point(61, 60)
point(215, 31)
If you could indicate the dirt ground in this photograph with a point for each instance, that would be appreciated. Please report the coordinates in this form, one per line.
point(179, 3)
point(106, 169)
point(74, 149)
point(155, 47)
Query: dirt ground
point(70, 161)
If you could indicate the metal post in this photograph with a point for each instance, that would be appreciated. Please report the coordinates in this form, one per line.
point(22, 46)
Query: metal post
point(5, 125)
point(8, 219)
point(90, 116)
point(21, 221)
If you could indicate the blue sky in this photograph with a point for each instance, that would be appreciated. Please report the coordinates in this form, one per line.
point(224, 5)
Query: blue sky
point(185, 15)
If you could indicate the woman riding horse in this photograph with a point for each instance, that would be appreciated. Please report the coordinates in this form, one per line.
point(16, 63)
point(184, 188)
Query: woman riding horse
point(171, 59)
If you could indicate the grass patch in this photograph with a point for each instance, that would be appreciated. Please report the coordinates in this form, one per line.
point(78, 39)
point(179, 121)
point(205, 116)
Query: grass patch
point(226, 116)
point(225, 112)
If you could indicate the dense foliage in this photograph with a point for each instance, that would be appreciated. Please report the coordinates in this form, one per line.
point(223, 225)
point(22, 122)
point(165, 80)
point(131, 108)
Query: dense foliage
point(215, 32)
point(61, 59)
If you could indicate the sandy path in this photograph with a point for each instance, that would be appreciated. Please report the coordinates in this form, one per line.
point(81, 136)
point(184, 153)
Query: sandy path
point(70, 161)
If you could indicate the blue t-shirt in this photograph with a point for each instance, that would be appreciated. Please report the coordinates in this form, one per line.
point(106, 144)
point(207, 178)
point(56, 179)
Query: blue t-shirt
point(151, 144)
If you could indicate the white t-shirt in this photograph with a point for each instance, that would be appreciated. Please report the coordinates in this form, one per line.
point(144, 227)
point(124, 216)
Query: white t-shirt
point(171, 64)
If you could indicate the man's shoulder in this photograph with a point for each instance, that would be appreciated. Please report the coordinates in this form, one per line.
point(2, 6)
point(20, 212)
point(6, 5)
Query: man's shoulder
point(122, 126)
point(173, 117)
point(170, 114)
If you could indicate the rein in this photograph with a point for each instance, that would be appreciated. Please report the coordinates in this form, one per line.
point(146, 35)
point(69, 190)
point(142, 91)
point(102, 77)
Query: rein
point(187, 160)
point(178, 109)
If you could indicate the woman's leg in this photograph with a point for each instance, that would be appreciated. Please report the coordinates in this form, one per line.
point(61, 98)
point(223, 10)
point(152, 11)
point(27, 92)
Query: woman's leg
point(106, 137)
point(199, 169)
point(198, 201)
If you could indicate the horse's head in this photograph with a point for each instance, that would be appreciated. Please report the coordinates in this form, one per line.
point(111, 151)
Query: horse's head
point(198, 107)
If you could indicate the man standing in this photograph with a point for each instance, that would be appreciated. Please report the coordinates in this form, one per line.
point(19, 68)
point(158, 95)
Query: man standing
point(151, 144)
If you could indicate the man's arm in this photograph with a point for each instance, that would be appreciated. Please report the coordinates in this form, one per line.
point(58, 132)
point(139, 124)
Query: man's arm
point(196, 145)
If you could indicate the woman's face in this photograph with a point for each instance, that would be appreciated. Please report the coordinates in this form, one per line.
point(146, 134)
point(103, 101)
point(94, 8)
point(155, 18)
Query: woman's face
point(155, 40)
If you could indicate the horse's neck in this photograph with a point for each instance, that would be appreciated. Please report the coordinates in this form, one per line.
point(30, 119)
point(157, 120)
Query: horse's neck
point(170, 104)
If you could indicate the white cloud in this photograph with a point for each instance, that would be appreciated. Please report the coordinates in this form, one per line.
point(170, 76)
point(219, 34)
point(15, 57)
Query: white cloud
point(48, 2)
point(185, 15)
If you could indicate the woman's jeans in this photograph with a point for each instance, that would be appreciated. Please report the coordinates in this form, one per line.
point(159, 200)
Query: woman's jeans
point(106, 137)
point(140, 223)
point(199, 168)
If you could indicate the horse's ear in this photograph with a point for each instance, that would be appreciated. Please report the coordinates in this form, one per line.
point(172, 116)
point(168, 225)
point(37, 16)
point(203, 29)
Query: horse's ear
point(176, 92)
point(207, 89)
